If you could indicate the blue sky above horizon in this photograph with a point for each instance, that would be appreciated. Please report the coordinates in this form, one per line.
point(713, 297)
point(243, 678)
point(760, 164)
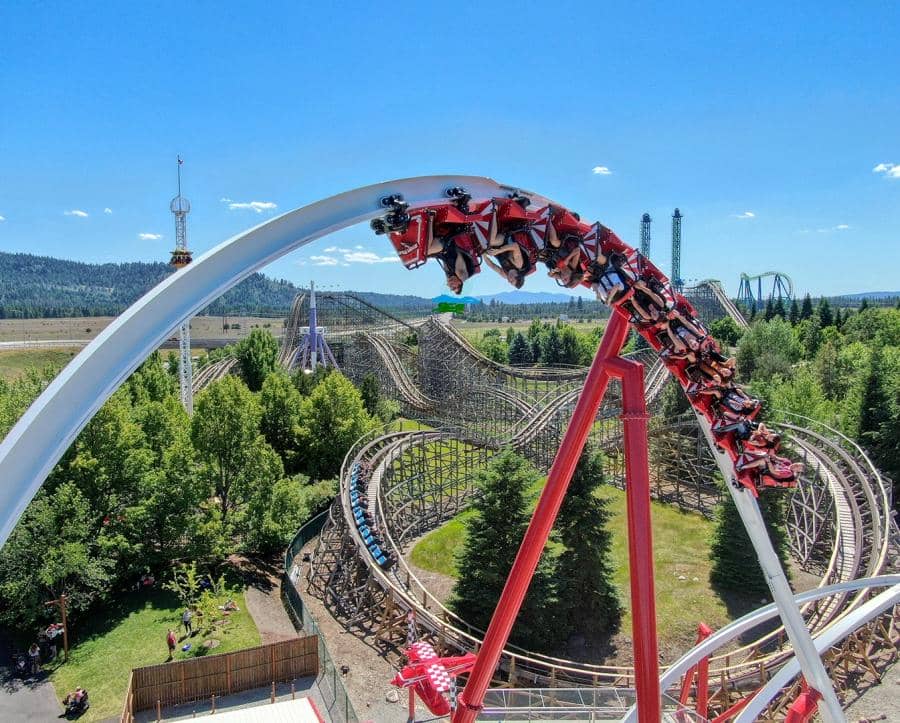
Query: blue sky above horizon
point(775, 129)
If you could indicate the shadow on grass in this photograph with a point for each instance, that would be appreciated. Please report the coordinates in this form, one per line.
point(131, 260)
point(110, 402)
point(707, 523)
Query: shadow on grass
point(739, 604)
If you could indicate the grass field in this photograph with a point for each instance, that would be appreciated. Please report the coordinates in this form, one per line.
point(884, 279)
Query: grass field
point(681, 555)
point(130, 633)
point(14, 363)
point(474, 330)
point(202, 327)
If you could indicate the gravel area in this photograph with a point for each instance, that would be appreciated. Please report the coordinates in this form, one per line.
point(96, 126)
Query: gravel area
point(879, 700)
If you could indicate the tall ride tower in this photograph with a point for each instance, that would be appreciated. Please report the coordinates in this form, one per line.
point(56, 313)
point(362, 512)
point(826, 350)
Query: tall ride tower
point(677, 281)
point(314, 350)
point(645, 234)
point(181, 257)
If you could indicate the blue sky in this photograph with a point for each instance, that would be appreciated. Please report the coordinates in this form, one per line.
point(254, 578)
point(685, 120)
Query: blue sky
point(782, 111)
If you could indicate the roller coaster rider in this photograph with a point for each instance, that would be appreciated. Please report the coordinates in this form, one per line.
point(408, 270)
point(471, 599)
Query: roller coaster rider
point(458, 254)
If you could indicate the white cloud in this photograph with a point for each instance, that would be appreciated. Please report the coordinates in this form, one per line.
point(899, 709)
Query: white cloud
point(76, 212)
point(367, 257)
point(344, 264)
point(107, 211)
point(2, 219)
point(149, 236)
point(336, 250)
point(890, 170)
point(225, 200)
point(601, 171)
point(839, 227)
point(323, 260)
point(257, 206)
point(358, 247)
point(745, 214)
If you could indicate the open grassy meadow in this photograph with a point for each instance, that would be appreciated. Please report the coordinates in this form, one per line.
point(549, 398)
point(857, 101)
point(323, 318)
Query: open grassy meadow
point(15, 362)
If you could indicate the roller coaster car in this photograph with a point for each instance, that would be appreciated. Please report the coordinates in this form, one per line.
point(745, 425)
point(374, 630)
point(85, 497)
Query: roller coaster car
point(769, 469)
point(737, 401)
point(411, 241)
point(463, 245)
point(511, 213)
point(764, 439)
point(737, 429)
point(708, 363)
point(567, 224)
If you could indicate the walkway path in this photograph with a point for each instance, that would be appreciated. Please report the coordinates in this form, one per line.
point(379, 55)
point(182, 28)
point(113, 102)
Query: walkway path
point(263, 598)
point(28, 700)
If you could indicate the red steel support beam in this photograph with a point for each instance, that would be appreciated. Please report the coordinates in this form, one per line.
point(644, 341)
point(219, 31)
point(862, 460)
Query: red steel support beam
point(510, 602)
point(640, 538)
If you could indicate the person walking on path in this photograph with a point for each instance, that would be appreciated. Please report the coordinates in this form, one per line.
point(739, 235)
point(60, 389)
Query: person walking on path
point(34, 654)
point(170, 641)
point(186, 617)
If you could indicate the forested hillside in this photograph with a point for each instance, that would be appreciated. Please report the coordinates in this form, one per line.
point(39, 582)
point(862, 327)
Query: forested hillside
point(41, 286)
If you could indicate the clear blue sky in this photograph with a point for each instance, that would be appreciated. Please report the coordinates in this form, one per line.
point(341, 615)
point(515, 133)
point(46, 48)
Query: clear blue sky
point(778, 110)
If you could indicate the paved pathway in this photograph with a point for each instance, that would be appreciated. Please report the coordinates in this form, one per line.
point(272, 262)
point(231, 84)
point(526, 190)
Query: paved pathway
point(263, 598)
point(22, 701)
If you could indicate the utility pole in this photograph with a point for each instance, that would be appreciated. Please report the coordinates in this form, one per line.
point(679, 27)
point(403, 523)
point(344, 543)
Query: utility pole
point(61, 603)
point(181, 257)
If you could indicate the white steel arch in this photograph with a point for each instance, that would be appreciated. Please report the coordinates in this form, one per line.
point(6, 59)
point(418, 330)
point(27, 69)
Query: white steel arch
point(51, 423)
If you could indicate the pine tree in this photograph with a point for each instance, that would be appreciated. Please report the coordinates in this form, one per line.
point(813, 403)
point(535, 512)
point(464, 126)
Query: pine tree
point(770, 310)
point(587, 600)
point(794, 313)
point(812, 337)
point(370, 393)
point(493, 536)
point(519, 351)
point(735, 566)
point(778, 309)
point(551, 347)
point(826, 315)
point(838, 319)
point(806, 310)
point(864, 305)
point(880, 417)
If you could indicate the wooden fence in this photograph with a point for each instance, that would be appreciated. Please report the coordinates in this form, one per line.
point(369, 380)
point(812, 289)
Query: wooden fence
point(200, 678)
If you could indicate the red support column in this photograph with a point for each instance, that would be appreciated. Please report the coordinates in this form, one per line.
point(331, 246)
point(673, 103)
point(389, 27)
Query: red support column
point(640, 538)
point(472, 697)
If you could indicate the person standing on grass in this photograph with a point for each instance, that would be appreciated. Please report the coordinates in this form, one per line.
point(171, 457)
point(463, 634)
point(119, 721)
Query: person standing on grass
point(186, 617)
point(170, 641)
